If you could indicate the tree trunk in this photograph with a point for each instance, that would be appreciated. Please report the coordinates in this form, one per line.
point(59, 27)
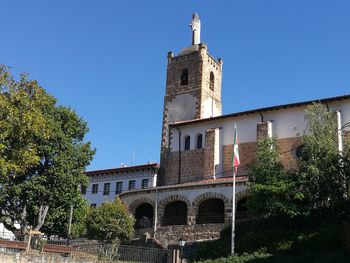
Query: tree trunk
point(41, 217)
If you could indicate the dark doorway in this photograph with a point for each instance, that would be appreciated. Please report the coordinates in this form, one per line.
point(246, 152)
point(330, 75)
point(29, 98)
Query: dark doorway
point(241, 209)
point(211, 211)
point(175, 213)
point(144, 216)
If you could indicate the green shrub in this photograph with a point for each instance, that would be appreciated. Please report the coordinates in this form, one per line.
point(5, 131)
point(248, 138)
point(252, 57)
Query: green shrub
point(307, 234)
point(316, 256)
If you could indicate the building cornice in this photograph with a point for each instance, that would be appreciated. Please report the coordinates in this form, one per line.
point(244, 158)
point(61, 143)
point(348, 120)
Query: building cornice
point(212, 183)
point(123, 169)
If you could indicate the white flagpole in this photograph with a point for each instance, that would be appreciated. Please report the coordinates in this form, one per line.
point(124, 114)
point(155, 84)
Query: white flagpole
point(155, 213)
point(233, 194)
point(233, 211)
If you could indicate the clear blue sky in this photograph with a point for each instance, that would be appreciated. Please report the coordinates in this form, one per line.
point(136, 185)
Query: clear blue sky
point(107, 58)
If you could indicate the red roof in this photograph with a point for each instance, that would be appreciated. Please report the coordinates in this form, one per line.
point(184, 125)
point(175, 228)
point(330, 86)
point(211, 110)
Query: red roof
point(209, 181)
point(124, 169)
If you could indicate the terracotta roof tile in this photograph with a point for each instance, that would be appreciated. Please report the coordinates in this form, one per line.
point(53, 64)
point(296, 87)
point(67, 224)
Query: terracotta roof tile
point(123, 169)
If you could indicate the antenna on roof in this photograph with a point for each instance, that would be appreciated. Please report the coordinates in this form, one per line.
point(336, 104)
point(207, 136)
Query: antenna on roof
point(133, 155)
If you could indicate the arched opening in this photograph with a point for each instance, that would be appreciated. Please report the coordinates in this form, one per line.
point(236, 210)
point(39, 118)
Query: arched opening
point(211, 211)
point(241, 209)
point(184, 77)
point(175, 213)
point(199, 142)
point(212, 78)
point(187, 143)
point(299, 151)
point(144, 216)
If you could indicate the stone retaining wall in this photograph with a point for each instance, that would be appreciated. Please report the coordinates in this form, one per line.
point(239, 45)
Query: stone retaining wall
point(11, 257)
point(170, 235)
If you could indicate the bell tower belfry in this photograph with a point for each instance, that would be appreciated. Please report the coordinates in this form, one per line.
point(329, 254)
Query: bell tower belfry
point(193, 87)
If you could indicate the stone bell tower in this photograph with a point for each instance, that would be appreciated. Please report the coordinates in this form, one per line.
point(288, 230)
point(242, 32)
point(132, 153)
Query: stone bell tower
point(193, 88)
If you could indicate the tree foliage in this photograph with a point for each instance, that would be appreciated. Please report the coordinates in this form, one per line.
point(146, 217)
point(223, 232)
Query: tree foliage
point(273, 190)
point(321, 180)
point(57, 219)
point(110, 222)
point(323, 169)
point(42, 153)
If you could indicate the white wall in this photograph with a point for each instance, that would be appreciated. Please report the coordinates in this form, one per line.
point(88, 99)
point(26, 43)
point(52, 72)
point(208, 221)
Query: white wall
point(6, 234)
point(99, 198)
point(287, 123)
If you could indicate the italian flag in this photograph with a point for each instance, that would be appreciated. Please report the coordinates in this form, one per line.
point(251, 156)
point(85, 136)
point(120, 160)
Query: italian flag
point(235, 156)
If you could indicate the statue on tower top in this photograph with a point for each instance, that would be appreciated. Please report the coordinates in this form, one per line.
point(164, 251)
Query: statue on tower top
point(196, 29)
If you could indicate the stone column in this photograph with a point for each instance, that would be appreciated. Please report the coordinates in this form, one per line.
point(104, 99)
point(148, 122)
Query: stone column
point(209, 153)
point(264, 130)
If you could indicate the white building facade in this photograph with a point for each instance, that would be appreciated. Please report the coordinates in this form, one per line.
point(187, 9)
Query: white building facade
point(106, 185)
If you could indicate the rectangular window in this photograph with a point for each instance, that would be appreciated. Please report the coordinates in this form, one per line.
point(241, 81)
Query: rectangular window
point(83, 189)
point(145, 183)
point(94, 188)
point(93, 205)
point(106, 188)
point(132, 185)
point(118, 187)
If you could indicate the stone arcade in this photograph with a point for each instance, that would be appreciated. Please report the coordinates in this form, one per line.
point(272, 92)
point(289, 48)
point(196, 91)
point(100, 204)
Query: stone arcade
point(193, 197)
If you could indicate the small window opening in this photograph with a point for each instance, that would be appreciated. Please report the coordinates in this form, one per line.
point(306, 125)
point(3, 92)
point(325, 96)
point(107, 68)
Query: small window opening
point(145, 183)
point(187, 142)
point(118, 187)
point(94, 188)
point(199, 141)
point(106, 188)
point(184, 77)
point(131, 184)
point(211, 84)
point(83, 189)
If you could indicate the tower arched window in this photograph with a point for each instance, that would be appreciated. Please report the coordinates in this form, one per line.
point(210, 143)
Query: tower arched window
point(211, 83)
point(187, 143)
point(184, 77)
point(199, 142)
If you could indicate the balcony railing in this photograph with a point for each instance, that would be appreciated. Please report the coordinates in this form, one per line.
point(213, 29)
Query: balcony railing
point(240, 215)
point(211, 218)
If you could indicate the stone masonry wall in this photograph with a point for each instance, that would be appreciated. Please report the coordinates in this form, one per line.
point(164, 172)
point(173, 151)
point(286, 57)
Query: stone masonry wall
point(261, 130)
point(246, 156)
point(10, 257)
point(199, 65)
point(191, 166)
point(209, 153)
point(198, 164)
point(169, 235)
point(193, 62)
point(286, 147)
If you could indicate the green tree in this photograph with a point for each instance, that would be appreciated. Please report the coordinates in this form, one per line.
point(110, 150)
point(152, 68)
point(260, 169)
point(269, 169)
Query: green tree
point(57, 218)
point(273, 191)
point(324, 171)
point(42, 153)
point(110, 222)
